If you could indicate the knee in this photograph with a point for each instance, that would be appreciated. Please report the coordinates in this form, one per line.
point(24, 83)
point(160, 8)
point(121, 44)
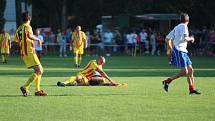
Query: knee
point(190, 71)
point(39, 70)
point(185, 72)
point(78, 78)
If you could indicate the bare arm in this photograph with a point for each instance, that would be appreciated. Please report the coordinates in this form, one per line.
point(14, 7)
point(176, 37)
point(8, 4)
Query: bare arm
point(188, 39)
point(169, 43)
point(85, 41)
point(103, 74)
point(33, 37)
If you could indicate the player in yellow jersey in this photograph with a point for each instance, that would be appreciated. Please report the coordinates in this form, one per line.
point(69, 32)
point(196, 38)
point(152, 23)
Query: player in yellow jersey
point(5, 45)
point(88, 76)
point(24, 36)
point(78, 44)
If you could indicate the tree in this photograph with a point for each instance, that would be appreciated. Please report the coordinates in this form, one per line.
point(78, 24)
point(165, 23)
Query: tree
point(2, 8)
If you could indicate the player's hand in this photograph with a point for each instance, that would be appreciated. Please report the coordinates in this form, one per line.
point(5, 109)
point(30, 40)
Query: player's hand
point(192, 39)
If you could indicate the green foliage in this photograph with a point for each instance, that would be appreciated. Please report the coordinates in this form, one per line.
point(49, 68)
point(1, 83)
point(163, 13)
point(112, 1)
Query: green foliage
point(88, 13)
point(142, 100)
point(2, 8)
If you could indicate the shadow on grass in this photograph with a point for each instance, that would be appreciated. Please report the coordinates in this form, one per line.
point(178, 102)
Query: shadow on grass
point(65, 95)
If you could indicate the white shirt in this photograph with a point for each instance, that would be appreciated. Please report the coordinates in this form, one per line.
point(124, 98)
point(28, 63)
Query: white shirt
point(130, 38)
point(36, 46)
point(178, 35)
point(143, 36)
point(108, 36)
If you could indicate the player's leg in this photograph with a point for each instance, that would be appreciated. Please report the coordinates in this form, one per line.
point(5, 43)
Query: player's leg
point(6, 57)
point(25, 87)
point(61, 50)
point(79, 59)
point(190, 80)
point(39, 71)
point(3, 57)
point(71, 81)
point(166, 82)
point(80, 53)
point(76, 57)
point(178, 61)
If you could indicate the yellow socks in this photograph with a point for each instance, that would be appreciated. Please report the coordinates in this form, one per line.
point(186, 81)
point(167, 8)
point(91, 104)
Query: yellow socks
point(79, 60)
point(37, 81)
point(3, 58)
point(76, 60)
point(30, 80)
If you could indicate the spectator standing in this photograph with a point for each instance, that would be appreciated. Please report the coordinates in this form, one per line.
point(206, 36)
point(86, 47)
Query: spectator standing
point(38, 46)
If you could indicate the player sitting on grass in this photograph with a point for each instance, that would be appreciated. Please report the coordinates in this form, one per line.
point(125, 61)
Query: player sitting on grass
point(92, 74)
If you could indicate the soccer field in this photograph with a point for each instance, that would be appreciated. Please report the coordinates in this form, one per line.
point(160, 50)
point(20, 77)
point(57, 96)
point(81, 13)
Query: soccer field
point(142, 100)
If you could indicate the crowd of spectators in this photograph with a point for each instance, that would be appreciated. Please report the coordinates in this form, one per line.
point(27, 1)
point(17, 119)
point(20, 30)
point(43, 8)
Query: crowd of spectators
point(130, 41)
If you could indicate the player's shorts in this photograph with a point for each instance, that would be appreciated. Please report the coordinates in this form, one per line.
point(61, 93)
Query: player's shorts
point(78, 51)
point(95, 82)
point(31, 60)
point(84, 79)
point(5, 50)
point(180, 59)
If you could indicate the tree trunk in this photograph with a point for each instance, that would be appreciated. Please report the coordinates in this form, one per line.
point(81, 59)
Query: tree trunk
point(63, 19)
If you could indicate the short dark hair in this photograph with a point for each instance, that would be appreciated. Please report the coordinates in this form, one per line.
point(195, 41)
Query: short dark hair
point(184, 17)
point(26, 16)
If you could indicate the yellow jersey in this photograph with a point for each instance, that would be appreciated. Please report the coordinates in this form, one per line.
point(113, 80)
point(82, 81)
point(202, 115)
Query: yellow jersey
point(90, 70)
point(26, 44)
point(4, 40)
point(79, 39)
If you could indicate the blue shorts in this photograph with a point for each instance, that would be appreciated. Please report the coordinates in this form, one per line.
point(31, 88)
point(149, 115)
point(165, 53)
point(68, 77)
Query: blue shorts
point(180, 59)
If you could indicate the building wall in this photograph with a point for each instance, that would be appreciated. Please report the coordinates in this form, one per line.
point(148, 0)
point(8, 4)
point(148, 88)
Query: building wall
point(10, 15)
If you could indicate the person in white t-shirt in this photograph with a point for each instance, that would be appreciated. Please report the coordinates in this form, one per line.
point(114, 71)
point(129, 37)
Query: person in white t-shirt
point(108, 41)
point(38, 47)
point(180, 58)
point(144, 41)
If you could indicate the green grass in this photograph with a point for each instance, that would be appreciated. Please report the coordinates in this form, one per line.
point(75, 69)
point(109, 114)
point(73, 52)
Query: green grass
point(143, 100)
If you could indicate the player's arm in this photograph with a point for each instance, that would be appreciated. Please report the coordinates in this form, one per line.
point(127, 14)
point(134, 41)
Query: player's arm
point(85, 40)
point(0, 39)
point(169, 38)
point(189, 39)
point(169, 43)
point(103, 74)
point(186, 36)
point(9, 41)
point(71, 41)
point(33, 37)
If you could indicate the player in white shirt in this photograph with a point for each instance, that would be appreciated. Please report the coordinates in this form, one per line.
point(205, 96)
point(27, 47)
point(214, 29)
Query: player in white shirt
point(180, 58)
point(38, 47)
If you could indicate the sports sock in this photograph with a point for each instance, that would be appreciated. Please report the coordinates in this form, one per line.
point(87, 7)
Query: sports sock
point(76, 60)
point(168, 81)
point(191, 88)
point(30, 80)
point(79, 60)
point(3, 58)
point(37, 81)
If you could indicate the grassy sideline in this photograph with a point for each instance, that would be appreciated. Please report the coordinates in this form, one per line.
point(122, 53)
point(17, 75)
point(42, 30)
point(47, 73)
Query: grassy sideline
point(142, 100)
